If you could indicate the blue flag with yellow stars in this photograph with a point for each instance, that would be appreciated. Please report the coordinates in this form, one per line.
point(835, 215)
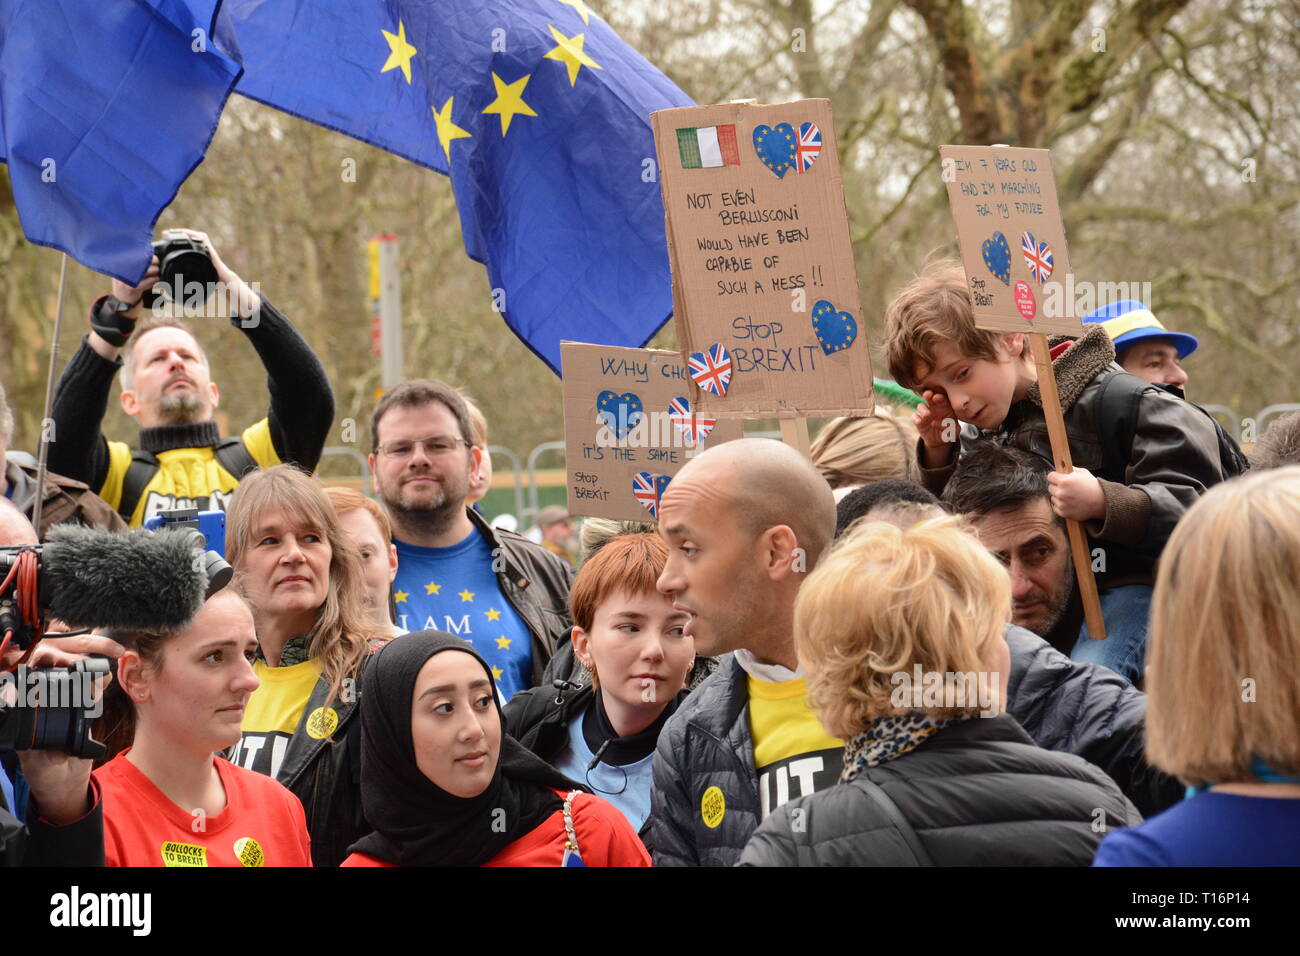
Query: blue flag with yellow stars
point(538, 112)
point(105, 109)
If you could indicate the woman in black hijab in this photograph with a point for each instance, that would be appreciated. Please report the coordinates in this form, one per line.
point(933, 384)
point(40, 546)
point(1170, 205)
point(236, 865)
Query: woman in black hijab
point(443, 785)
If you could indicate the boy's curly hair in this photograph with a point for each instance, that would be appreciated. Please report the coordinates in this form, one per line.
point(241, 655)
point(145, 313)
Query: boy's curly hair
point(934, 307)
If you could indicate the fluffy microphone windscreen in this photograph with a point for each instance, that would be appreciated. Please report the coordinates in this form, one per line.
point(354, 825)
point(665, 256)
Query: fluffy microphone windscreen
point(132, 580)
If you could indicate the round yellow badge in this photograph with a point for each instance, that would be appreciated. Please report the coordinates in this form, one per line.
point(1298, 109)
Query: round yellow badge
point(249, 852)
point(322, 722)
point(713, 807)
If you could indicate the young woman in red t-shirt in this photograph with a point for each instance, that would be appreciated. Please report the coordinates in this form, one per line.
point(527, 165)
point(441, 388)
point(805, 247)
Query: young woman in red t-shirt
point(443, 785)
point(167, 800)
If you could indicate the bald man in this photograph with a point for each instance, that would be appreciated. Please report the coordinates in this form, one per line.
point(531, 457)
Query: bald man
point(745, 522)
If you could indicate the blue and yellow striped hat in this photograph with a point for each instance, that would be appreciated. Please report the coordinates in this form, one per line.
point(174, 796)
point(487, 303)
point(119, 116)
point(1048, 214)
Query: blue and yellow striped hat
point(1130, 321)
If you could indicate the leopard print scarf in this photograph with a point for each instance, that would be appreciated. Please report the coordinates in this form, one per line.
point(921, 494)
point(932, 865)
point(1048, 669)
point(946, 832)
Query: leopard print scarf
point(886, 739)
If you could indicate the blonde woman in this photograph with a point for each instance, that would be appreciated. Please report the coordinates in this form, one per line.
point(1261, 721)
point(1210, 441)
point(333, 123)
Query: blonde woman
point(1223, 682)
point(372, 536)
point(900, 633)
point(852, 452)
point(304, 580)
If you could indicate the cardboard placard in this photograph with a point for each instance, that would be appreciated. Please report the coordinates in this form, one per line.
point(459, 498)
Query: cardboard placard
point(629, 426)
point(765, 291)
point(1012, 239)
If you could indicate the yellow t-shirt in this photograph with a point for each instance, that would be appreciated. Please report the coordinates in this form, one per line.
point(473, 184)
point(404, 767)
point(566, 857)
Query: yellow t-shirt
point(793, 753)
point(186, 477)
point(273, 714)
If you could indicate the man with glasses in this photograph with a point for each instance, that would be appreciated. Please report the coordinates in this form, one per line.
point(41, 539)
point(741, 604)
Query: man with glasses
point(502, 593)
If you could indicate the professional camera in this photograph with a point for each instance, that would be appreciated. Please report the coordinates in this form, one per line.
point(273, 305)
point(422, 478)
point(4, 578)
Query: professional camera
point(183, 263)
point(52, 708)
point(89, 578)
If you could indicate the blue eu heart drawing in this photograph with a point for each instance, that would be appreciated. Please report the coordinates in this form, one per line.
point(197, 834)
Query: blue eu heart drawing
point(997, 256)
point(619, 413)
point(835, 330)
point(775, 147)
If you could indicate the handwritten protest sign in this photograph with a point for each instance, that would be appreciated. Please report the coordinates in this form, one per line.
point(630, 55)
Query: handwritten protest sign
point(765, 292)
point(1013, 249)
point(1012, 238)
point(629, 426)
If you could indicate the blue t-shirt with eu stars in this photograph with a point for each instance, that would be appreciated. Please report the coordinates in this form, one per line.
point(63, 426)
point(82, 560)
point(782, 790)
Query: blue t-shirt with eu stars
point(455, 590)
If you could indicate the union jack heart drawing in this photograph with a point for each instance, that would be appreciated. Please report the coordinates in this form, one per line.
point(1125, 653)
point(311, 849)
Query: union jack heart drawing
point(809, 148)
point(692, 427)
point(711, 369)
point(648, 489)
point(1038, 257)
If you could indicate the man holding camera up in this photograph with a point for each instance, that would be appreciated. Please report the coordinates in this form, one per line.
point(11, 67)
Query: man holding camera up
point(181, 460)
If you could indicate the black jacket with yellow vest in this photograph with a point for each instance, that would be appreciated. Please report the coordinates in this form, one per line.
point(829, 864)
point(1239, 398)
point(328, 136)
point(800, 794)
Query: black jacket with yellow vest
point(189, 473)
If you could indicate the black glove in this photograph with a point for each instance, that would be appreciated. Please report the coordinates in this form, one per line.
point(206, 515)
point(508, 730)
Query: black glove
point(109, 320)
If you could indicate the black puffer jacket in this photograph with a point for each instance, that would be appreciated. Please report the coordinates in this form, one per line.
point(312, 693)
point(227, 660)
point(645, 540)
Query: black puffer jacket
point(977, 793)
point(1087, 710)
point(1065, 705)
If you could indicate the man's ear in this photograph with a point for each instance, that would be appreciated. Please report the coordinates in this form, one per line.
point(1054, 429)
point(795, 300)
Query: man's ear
point(130, 404)
point(779, 547)
point(392, 563)
point(476, 461)
point(215, 393)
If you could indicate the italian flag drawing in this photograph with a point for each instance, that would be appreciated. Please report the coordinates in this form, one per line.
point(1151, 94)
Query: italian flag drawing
point(704, 147)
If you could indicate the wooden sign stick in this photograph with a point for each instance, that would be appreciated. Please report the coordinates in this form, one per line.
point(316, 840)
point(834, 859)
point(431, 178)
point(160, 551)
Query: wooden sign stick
point(794, 432)
point(1061, 454)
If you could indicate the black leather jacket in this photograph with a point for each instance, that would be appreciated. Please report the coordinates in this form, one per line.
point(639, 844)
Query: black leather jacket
point(324, 772)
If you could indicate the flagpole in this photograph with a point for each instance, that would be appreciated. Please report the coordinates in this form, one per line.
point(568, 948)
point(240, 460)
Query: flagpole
point(49, 399)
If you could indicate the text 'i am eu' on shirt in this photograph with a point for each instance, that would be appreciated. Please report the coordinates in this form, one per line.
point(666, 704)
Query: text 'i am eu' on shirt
point(456, 590)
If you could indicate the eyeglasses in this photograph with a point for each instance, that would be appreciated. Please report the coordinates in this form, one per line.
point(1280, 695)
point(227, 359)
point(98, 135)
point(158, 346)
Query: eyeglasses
point(433, 447)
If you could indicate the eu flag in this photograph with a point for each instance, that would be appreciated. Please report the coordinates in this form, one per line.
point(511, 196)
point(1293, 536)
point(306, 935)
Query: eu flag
point(536, 109)
point(105, 109)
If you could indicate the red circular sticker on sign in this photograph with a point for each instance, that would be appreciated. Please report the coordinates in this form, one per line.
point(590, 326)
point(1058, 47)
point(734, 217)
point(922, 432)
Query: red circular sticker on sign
point(1024, 297)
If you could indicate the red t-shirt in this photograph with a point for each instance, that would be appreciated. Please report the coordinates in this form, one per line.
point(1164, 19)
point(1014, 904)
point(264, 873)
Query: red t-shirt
point(605, 838)
point(263, 824)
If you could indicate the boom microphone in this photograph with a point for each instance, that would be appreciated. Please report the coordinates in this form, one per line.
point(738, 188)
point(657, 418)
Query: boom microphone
point(132, 580)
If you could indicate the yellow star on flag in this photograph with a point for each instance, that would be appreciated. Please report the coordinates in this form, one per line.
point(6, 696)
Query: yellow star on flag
point(510, 100)
point(401, 51)
point(432, 588)
point(503, 643)
point(466, 596)
point(497, 673)
point(447, 130)
point(493, 614)
point(569, 52)
point(400, 597)
point(581, 7)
